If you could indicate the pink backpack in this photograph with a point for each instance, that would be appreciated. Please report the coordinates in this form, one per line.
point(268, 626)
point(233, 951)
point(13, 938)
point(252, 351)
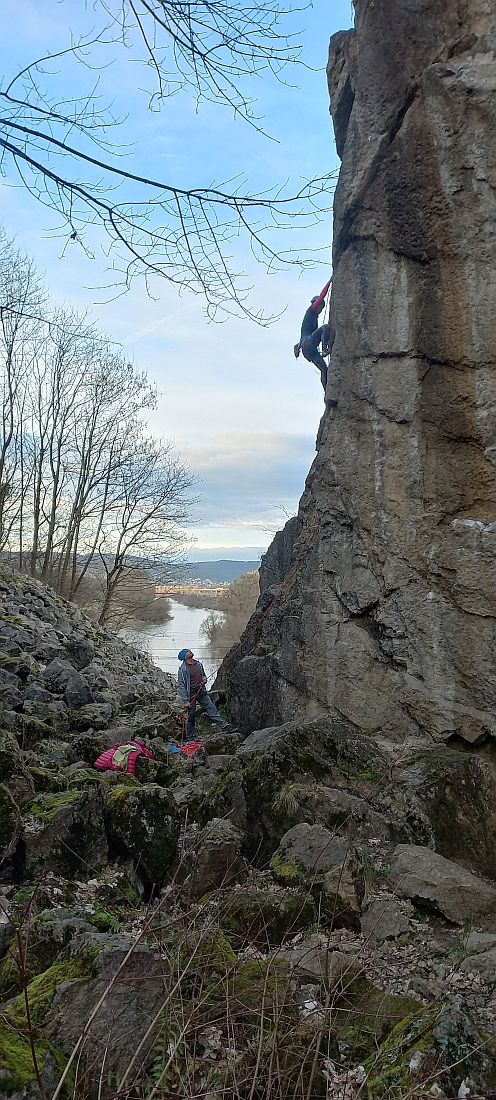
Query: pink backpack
point(122, 757)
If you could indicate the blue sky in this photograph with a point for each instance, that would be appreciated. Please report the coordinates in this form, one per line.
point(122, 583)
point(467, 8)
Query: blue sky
point(236, 403)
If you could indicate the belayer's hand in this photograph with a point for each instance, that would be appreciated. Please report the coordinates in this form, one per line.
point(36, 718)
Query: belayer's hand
point(296, 350)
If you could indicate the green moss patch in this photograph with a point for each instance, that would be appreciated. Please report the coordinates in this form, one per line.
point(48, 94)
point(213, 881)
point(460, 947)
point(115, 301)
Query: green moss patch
point(285, 872)
point(46, 807)
point(41, 990)
point(16, 1060)
point(264, 917)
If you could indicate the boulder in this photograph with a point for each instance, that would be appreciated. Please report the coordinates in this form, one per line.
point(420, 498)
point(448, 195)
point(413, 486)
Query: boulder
point(438, 885)
point(96, 716)
point(326, 865)
point(215, 790)
point(143, 822)
point(51, 932)
point(324, 750)
point(443, 1035)
point(136, 988)
point(384, 918)
point(251, 914)
point(80, 651)
point(216, 860)
point(64, 833)
point(9, 822)
point(57, 674)
point(458, 792)
point(77, 693)
point(313, 961)
point(480, 955)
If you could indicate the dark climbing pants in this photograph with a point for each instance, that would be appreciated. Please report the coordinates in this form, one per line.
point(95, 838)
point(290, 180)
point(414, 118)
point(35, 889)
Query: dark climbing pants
point(310, 347)
point(205, 703)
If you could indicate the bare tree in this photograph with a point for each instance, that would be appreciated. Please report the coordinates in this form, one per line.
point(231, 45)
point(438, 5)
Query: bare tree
point(153, 501)
point(21, 300)
point(84, 491)
point(59, 148)
point(238, 601)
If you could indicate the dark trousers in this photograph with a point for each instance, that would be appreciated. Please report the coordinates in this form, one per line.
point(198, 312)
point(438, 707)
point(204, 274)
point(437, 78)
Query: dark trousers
point(205, 703)
point(310, 347)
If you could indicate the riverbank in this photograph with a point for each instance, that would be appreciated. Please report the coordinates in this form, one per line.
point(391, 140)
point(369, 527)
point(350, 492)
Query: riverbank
point(162, 641)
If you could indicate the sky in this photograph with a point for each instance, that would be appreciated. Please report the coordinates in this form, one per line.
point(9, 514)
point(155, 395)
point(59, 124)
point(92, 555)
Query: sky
point(240, 409)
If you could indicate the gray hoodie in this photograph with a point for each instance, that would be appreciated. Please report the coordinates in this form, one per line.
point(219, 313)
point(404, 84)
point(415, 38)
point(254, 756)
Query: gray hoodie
point(184, 680)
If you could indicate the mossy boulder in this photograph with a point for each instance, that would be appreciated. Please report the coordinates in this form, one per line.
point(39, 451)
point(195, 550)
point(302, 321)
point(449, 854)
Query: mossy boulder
point(226, 797)
point(366, 1014)
point(264, 917)
point(254, 989)
point(322, 749)
point(17, 1072)
point(88, 746)
point(216, 860)
point(143, 822)
point(202, 951)
point(50, 932)
point(9, 822)
point(10, 755)
point(123, 1020)
point(458, 790)
point(64, 832)
point(312, 857)
point(45, 780)
point(441, 886)
point(442, 1041)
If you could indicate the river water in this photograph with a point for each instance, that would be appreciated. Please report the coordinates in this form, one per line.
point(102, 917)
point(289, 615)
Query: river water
point(163, 641)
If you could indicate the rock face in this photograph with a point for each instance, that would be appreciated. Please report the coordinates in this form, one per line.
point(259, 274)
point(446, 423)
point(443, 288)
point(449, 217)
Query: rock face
point(388, 618)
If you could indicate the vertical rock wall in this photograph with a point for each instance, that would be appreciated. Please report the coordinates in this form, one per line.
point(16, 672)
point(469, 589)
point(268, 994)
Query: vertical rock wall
point(388, 612)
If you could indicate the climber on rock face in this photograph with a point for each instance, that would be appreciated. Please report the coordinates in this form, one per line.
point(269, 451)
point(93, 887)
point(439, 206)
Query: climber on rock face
point(312, 336)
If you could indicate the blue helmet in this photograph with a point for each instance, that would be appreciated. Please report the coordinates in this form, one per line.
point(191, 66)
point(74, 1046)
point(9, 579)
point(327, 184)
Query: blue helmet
point(316, 298)
point(182, 653)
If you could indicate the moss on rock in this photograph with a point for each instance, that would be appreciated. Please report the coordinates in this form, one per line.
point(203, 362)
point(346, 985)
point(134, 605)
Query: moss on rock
point(285, 872)
point(9, 818)
point(446, 1042)
point(264, 917)
point(16, 1060)
point(143, 822)
point(45, 807)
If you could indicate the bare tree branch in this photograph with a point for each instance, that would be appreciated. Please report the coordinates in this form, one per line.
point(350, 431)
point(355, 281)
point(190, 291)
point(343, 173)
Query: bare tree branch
point(61, 151)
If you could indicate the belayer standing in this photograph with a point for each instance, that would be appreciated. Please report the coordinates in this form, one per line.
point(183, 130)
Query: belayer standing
point(312, 336)
point(191, 682)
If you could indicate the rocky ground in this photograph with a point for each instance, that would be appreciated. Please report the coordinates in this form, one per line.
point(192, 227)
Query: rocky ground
point(305, 913)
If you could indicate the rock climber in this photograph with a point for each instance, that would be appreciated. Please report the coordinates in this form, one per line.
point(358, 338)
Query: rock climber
point(191, 681)
point(313, 335)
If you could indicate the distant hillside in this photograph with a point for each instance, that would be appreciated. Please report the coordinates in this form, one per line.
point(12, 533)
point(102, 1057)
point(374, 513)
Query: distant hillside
point(217, 571)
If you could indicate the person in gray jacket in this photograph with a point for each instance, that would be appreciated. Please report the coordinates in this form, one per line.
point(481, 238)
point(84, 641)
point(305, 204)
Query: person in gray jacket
point(191, 681)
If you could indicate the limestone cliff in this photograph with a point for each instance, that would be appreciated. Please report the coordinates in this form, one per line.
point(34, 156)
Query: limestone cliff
point(389, 615)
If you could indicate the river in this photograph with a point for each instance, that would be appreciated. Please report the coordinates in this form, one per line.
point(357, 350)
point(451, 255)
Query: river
point(162, 641)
